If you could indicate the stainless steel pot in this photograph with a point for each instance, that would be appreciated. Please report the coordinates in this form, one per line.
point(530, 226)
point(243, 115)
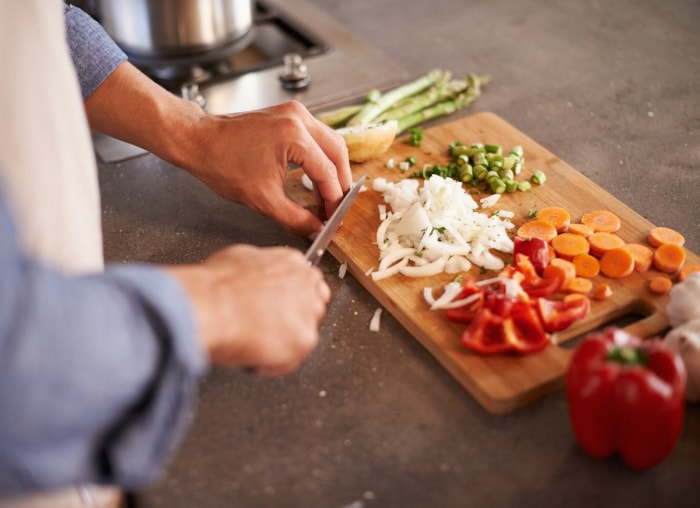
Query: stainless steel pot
point(161, 29)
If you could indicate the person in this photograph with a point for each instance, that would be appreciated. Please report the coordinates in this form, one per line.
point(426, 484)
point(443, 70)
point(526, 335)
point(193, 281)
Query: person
point(99, 365)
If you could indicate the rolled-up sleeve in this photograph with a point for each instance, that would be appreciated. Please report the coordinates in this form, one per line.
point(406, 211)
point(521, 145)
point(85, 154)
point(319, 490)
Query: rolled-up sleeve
point(98, 373)
point(95, 55)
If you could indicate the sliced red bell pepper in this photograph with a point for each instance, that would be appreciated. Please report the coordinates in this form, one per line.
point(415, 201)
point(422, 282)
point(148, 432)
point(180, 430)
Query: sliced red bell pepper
point(557, 315)
point(531, 282)
point(626, 396)
point(504, 324)
point(535, 249)
point(466, 313)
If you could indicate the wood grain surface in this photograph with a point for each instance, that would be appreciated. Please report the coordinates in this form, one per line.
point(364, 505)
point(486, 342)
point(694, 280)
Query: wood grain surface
point(500, 383)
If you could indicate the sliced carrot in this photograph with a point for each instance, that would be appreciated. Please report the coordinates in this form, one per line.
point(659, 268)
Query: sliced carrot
point(586, 265)
point(687, 270)
point(602, 220)
point(580, 229)
point(579, 285)
point(643, 256)
point(660, 285)
point(602, 241)
point(556, 216)
point(669, 258)
point(537, 229)
point(568, 245)
point(661, 235)
point(602, 292)
point(617, 263)
point(560, 268)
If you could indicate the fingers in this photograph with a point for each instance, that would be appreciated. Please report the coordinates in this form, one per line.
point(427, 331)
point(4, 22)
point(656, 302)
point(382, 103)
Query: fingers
point(325, 160)
point(263, 307)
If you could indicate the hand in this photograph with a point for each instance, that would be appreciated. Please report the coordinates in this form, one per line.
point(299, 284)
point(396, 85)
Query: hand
point(256, 307)
point(244, 158)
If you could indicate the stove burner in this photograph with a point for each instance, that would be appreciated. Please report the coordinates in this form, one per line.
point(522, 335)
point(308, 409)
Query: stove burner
point(272, 41)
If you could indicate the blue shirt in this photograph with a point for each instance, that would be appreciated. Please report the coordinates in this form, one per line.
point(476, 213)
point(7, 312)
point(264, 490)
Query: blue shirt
point(98, 373)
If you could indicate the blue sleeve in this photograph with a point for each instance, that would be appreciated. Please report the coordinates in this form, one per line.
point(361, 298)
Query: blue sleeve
point(95, 55)
point(98, 373)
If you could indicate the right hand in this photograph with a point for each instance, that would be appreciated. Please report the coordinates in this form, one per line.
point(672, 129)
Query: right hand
point(258, 308)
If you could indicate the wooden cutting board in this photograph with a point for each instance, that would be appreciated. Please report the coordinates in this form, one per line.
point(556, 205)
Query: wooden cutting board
point(505, 382)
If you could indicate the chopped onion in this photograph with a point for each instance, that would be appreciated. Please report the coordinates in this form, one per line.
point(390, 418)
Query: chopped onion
point(306, 182)
point(489, 201)
point(342, 270)
point(375, 321)
point(382, 211)
point(388, 272)
point(437, 226)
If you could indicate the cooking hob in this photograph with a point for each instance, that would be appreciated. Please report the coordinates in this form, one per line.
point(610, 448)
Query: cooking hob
point(296, 51)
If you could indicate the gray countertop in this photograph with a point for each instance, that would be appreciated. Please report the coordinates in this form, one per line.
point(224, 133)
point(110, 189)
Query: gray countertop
point(372, 419)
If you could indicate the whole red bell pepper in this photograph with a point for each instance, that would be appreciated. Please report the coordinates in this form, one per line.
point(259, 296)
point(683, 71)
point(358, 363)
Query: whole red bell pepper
point(626, 396)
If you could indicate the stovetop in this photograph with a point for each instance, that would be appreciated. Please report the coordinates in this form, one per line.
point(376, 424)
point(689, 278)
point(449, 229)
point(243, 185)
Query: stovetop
point(340, 67)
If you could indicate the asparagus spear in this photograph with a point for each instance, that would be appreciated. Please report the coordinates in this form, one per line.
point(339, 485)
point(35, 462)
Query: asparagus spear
point(445, 107)
point(373, 109)
point(425, 99)
point(338, 117)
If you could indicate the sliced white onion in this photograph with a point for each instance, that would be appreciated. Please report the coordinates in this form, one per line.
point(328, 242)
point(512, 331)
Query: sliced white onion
point(439, 225)
point(489, 201)
point(394, 256)
point(382, 211)
point(450, 291)
point(306, 182)
point(342, 270)
point(427, 270)
point(376, 320)
point(389, 272)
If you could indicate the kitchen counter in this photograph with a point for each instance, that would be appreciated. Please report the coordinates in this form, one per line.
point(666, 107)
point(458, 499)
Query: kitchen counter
point(372, 419)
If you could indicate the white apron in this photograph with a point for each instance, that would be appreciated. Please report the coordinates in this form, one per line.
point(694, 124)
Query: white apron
point(47, 164)
point(48, 172)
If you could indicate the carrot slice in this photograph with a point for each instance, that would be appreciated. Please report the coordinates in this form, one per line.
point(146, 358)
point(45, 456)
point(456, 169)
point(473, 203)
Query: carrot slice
point(560, 268)
point(579, 285)
point(687, 270)
point(602, 292)
point(660, 285)
point(602, 220)
point(643, 256)
point(602, 241)
point(617, 263)
point(661, 235)
point(556, 216)
point(586, 265)
point(537, 229)
point(669, 258)
point(580, 229)
point(568, 245)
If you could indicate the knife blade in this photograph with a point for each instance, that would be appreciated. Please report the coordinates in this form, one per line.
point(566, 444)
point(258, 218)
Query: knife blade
point(320, 244)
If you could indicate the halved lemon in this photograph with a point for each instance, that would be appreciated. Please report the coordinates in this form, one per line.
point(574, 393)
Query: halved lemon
point(366, 142)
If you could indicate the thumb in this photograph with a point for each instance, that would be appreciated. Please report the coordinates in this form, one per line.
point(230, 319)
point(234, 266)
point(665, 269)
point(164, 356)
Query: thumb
point(294, 217)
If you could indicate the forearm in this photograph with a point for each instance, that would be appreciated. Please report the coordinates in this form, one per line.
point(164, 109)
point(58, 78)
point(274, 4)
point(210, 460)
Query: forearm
point(130, 106)
point(97, 372)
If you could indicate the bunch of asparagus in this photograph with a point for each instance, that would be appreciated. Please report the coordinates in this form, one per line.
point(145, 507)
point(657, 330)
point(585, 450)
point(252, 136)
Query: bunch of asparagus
point(432, 95)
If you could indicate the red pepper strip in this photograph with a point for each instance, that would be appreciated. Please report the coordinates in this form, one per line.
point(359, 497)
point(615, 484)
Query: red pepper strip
point(536, 250)
point(626, 396)
point(466, 313)
point(557, 315)
point(533, 284)
point(505, 325)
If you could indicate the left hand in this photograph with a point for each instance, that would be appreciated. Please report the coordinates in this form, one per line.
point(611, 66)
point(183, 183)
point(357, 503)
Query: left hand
point(244, 158)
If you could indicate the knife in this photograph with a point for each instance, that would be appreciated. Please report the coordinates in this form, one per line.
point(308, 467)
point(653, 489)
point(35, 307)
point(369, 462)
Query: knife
point(320, 244)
